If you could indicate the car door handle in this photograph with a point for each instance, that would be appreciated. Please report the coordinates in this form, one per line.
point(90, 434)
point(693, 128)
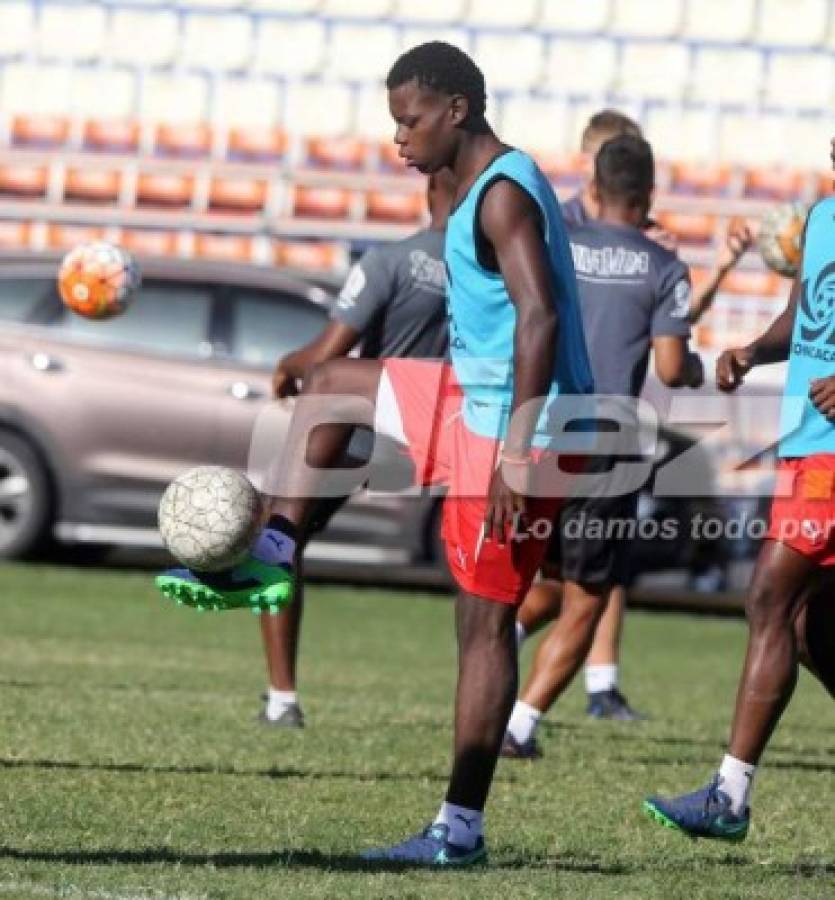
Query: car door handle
point(243, 390)
point(43, 362)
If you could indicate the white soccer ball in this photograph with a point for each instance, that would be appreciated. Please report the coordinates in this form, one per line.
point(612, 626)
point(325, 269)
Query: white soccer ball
point(209, 517)
point(778, 241)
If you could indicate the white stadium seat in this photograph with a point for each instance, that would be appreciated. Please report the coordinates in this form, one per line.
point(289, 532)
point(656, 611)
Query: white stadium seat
point(518, 14)
point(753, 140)
point(581, 17)
point(216, 42)
point(795, 23)
point(373, 120)
point(637, 18)
point(725, 75)
point(221, 5)
point(356, 9)
point(36, 90)
point(412, 36)
point(655, 71)
point(289, 47)
point(245, 102)
point(678, 133)
point(796, 80)
point(71, 32)
point(173, 98)
point(728, 21)
point(582, 66)
point(510, 61)
point(580, 112)
point(142, 37)
point(429, 10)
point(88, 100)
point(17, 26)
point(534, 124)
point(360, 52)
point(298, 7)
point(806, 142)
point(318, 109)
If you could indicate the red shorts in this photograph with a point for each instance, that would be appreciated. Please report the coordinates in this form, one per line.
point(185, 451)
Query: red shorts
point(445, 451)
point(804, 519)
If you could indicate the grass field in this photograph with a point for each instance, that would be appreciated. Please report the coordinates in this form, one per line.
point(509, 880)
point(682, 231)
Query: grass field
point(131, 767)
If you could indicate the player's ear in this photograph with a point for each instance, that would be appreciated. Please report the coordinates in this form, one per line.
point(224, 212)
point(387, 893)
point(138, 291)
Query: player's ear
point(459, 108)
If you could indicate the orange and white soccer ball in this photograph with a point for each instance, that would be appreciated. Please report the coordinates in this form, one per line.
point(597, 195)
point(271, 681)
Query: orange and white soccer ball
point(97, 280)
point(778, 241)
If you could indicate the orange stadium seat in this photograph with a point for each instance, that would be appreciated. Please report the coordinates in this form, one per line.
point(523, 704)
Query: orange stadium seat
point(23, 180)
point(111, 136)
point(774, 183)
point(689, 228)
point(759, 282)
point(40, 131)
point(238, 193)
point(183, 139)
point(826, 184)
point(254, 143)
point(149, 242)
point(15, 234)
point(319, 256)
point(62, 237)
point(567, 169)
point(700, 178)
point(166, 189)
point(92, 185)
point(337, 152)
point(229, 247)
point(321, 202)
point(394, 206)
point(390, 159)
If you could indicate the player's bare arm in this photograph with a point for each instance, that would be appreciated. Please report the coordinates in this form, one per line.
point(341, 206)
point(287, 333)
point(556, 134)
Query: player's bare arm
point(510, 220)
point(675, 364)
point(336, 340)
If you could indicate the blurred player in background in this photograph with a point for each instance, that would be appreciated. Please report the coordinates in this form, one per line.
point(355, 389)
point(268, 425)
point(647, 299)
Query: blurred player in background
point(634, 297)
point(790, 606)
point(602, 670)
point(393, 304)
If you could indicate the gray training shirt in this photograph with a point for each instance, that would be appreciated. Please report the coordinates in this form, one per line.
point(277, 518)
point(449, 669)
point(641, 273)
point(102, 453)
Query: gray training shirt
point(395, 297)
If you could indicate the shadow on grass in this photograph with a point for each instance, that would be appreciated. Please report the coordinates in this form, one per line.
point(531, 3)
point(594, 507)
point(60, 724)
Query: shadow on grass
point(791, 764)
point(302, 859)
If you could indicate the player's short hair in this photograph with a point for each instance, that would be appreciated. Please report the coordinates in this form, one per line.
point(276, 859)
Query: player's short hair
point(444, 68)
point(606, 124)
point(624, 170)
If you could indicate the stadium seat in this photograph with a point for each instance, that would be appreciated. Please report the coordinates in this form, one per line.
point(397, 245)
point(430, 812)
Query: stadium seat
point(372, 119)
point(285, 6)
point(795, 23)
point(719, 20)
point(289, 47)
point(806, 141)
point(389, 158)
point(519, 14)
point(321, 202)
point(322, 256)
point(17, 28)
point(537, 125)
point(753, 139)
point(337, 153)
point(581, 66)
point(774, 183)
point(35, 90)
point(759, 282)
point(700, 179)
point(71, 32)
point(360, 52)
point(15, 235)
point(146, 38)
point(111, 136)
point(429, 10)
point(183, 139)
point(654, 71)
point(164, 189)
point(586, 17)
point(637, 18)
point(92, 185)
point(220, 5)
point(245, 102)
point(40, 131)
point(689, 228)
point(413, 35)
point(510, 62)
point(237, 193)
point(228, 247)
point(218, 43)
point(253, 143)
point(356, 9)
point(567, 171)
point(63, 237)
point(681, 133)
point(173, 98)
point(799, 80)
point(318, 109)
point(724, 75)
point(22, 180)
point(149, 242)
point(88, 100)
point(394, 206)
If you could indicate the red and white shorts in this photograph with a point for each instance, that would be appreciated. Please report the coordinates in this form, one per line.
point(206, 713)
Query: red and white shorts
point(804, 519)
point(419, 403)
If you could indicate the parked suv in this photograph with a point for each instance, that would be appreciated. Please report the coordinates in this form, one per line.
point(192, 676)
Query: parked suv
point(96, 418)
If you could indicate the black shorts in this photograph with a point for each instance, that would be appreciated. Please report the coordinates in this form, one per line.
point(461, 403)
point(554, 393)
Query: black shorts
point(593, 535)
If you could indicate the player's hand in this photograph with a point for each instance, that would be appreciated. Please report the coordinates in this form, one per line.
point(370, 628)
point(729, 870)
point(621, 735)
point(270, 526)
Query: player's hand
point(738, 238)
point(732, 367)
point(661, 236)
point(822, 395)
point(506, 507)
point(284, 384)
point(695, 370)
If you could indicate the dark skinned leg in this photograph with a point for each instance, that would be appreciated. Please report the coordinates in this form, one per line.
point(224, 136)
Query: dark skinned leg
point(815, 629)
point(280, 636)
point(541, 604)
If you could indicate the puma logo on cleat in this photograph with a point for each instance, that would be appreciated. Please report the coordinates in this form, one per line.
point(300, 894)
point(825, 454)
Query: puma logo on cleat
point(465, 820)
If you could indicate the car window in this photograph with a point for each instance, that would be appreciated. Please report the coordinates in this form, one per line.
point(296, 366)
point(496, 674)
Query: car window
point(163, 317)
point(267, 325)
point(19, 297)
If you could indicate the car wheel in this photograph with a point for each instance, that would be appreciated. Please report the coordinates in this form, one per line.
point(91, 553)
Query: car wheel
point(25, 498)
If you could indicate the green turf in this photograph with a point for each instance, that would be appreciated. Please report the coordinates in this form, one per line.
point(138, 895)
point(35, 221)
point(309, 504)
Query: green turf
point(131, 765)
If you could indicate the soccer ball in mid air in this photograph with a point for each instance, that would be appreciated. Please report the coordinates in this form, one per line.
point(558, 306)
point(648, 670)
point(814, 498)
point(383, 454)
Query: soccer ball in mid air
point(781, 230)
point(97, 280)
point(209, 518)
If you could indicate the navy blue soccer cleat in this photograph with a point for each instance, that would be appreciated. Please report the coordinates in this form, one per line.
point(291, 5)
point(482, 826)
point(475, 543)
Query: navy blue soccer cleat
point(429, 848)
point(705, 813)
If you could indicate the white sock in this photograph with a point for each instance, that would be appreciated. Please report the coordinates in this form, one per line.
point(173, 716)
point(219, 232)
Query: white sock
point(521, 634)
point(601, 678)
point(523, 721)
point(465, 825)
point(735, 779)
point(278, 701)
